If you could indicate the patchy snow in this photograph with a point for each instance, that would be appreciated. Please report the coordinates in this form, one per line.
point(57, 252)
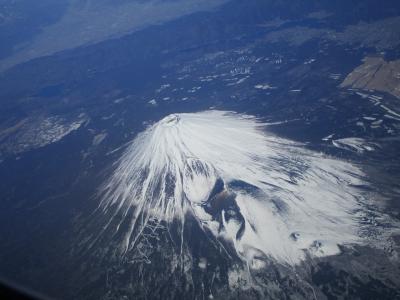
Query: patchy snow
point(42, 131)
point(153, 102)
point(358, 145)
point(264, 87)
point(99, 138)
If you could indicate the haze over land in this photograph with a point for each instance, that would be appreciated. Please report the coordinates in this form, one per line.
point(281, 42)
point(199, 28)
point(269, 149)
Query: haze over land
point(86, 22)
